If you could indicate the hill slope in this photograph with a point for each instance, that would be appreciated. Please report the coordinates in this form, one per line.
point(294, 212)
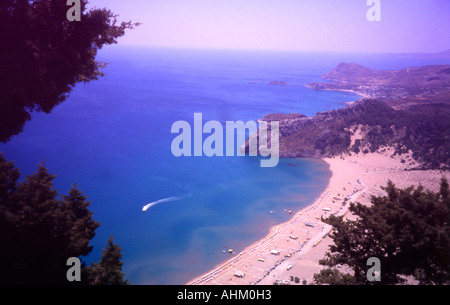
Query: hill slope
point(408, 110)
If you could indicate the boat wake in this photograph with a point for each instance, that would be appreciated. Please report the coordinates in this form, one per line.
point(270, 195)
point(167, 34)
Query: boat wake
point(152, 204)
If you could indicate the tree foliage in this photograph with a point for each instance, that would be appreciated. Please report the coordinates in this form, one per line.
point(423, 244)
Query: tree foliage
point(425, 134)
point(332, 276)
point(408, 230)
point(43, 55)
point(108, 271)
point(40, 230)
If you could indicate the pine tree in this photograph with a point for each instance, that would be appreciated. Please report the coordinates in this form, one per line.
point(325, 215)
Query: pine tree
point(79, 222)
point(44, 55)
point(8, 180)
point(37, 251)
point(408, 230)
point(40, 230)
point(8, 217)
point(108, 271)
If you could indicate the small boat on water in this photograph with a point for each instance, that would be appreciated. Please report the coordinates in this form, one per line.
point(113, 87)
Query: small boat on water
point(272, 212)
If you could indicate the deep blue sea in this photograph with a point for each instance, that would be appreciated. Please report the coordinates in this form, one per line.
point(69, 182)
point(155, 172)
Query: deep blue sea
point(112, 138)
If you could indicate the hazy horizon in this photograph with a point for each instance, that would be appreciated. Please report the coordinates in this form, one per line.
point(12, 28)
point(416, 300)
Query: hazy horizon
point(174, 48)
point(413, 26)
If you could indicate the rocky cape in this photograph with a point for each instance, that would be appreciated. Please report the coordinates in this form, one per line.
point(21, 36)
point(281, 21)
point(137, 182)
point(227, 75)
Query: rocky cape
point(413, 89)
point(408, 110)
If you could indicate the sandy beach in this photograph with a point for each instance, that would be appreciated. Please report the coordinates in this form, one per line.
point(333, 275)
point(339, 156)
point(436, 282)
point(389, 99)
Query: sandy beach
point(292, 249)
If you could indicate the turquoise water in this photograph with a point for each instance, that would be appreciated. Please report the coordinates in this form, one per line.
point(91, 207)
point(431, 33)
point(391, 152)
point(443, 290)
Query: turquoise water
point(112, 137)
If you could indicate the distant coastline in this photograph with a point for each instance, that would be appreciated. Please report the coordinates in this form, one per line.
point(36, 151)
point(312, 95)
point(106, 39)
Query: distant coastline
point(400, 88)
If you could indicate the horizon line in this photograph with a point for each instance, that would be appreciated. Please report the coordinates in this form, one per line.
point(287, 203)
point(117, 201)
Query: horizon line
point(275, 50)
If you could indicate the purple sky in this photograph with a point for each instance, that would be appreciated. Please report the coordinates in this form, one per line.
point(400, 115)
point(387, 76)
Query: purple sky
point(296, 25)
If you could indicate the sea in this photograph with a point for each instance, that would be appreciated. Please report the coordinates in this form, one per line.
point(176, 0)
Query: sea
point(112, 138)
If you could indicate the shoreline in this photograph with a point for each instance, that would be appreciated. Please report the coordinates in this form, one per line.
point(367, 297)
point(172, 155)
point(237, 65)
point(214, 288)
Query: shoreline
point(277, 239)
point(362, 95)
point(292, 249)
